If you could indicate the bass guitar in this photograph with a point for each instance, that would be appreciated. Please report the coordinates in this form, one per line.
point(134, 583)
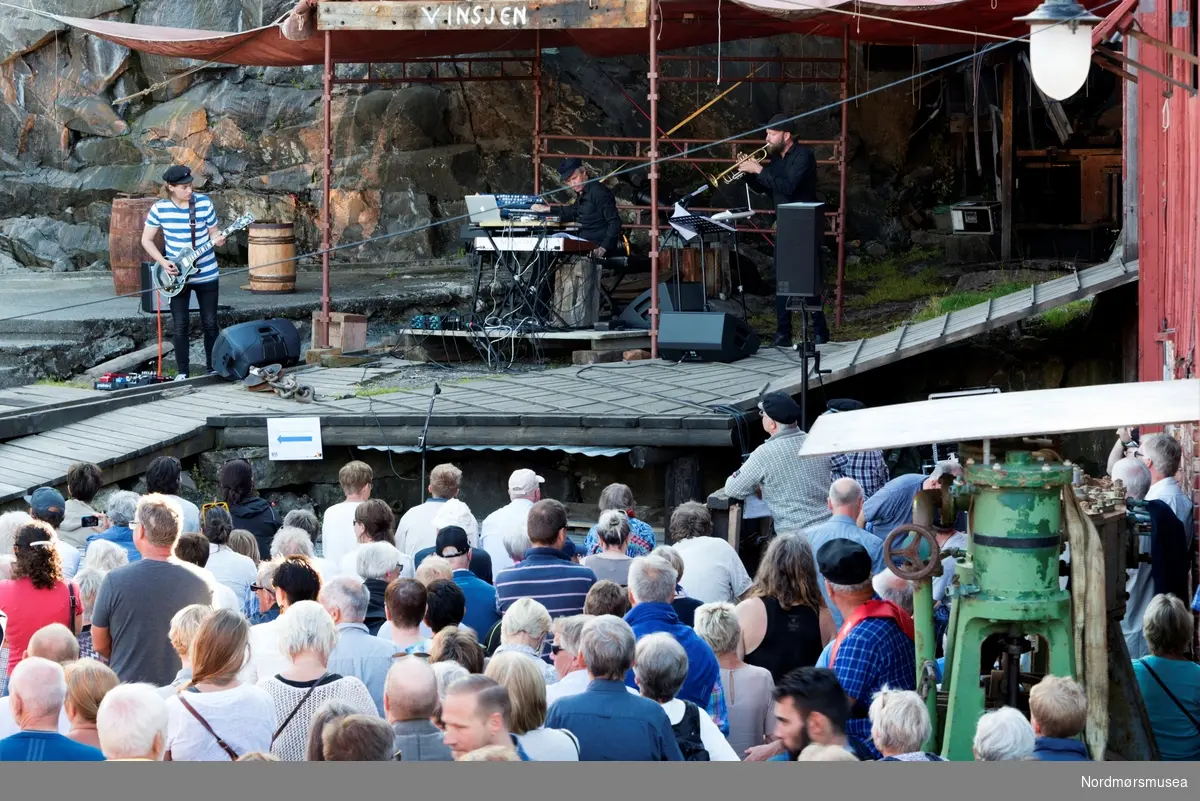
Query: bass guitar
point(187, 260)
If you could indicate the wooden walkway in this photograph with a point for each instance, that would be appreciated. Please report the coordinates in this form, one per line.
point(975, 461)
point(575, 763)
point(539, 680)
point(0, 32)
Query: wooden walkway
point(644, 403)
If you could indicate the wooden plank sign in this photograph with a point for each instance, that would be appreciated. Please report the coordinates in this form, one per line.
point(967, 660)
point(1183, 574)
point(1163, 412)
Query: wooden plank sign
point(422, 15)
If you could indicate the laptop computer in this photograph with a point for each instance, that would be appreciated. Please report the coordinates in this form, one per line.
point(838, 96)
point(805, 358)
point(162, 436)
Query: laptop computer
point(482, 208)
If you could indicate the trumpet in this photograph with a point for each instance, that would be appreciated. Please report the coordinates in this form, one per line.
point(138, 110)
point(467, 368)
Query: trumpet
point(732, 174)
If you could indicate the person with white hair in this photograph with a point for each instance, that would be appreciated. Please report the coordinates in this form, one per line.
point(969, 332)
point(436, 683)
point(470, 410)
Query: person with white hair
point(524, 490)
point(891, 587)
point(1003, 735)
point(55, 643)
point(900, 726)
point(447, 672)
point(306, 638)
point(379, 564)
point(1161, 454)
point(89, 582)
point(103, 556)
point(523, 630)
point(358, 653)
point(410, 702)
point(122, 507)
point(892, 505)
point(516, 545)
point(132, 724)
point(416, 530)
point(37, 689)
point(292, 541)
point(660, 667)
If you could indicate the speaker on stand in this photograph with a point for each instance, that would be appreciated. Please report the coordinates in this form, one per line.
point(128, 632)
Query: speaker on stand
point(800, 276)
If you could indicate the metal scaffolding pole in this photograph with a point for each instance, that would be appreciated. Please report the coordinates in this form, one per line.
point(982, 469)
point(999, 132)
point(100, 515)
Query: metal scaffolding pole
point(654, 181)
point(321, 335)
point(839, 297)
point(537, 113)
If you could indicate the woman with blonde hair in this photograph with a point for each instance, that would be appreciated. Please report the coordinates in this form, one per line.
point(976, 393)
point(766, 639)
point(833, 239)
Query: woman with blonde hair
point(522, 679)
point(104, 555)
point(523, 630)
point(749, 689)
point(242, 542)
point(185, 624)
point(214, 717)
point(785, 623)
point(88, 681)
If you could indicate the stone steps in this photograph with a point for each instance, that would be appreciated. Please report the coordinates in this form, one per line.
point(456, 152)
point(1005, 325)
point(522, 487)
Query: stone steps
point(14, 348)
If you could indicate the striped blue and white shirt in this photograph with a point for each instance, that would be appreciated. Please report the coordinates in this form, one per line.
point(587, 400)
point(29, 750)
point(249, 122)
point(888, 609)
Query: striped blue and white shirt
point(548, 577)
point(177, 232)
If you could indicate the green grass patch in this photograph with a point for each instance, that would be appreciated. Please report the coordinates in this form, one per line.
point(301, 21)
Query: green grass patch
point(955, 301)
point(1065, 315)
point(894, 279)
point(74, 383)
point(371, 392)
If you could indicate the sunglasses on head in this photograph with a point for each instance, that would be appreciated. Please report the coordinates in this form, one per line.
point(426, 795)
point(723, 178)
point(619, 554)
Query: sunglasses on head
point(214, 505)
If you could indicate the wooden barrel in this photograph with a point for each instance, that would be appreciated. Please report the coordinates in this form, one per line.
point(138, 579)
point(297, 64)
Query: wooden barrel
point(272, 258)
point(125, 251)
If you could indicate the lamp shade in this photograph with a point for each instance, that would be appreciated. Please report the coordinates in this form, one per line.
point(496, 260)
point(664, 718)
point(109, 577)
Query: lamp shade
point(1060, 56)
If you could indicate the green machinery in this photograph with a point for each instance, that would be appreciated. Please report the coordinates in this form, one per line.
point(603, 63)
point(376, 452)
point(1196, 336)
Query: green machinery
point(1006, 587)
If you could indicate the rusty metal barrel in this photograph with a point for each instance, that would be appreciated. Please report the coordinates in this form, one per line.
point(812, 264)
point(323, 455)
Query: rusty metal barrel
point(272, 258)
point(125, 251)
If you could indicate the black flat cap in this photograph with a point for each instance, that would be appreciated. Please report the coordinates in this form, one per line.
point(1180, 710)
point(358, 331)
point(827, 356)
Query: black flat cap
point(781, 122)
point(845, 405)
point(568, 166)
point(178, 174)
point(844, 562)
point(780, 407)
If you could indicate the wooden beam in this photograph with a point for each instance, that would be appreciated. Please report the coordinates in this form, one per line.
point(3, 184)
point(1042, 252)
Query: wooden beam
point(333, 435)
point(1113, 68)
point(1007, 149)
point(1143, 68)
point(480, 15)
point(1161, 45)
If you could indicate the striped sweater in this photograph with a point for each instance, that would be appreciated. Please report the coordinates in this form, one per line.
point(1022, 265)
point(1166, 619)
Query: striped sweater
point(548, 577)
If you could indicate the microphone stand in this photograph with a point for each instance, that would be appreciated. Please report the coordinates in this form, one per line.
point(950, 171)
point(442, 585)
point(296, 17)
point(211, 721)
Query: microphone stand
point(421, 443)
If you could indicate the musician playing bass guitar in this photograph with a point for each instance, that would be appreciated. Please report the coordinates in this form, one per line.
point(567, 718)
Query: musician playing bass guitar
point(187, 220)
point(790, 177)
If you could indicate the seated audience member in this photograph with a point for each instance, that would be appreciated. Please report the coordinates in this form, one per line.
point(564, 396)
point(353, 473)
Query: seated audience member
point(56, 644)
point(307, 521)
point(546, 574)
point(307, 637)
point(243, 542)
point(37, 690)
point(660, 667)
point(358, 738)
point(517, 544)
point(132, 724)
point(526, 687)
point(610, 723)
point(845, 501)
point(258, 756)
point(294, 580)
point(88, 681)
point(357, 652)
point(230, 568)
point(122, 507)
point(900, 726)
point(377, 564)
point(447, 673)
point(185, 624)
point(338, 536)
point(432, 569)
point(810, 707)
point(568, 659)
point(374, 521)
point(47, 505)
point(457, 644)
point(165, 477)
point(103, 556)
point(454, 546)
point(619, 498)
point(612, 562)
point(715, 572)
point(684, 605)
point(250, 512)
point(416, 530)
point(491, 753)
point(606, 598)
point(749, 689)
point(1003, 735)
point(295, 541)
point(214, 717)
point(445, 605)
point(825, 753)
point(326, 714)
point(410, 702)
point(523, 631)
point(890, 587)
point(524, 490)
point(456, 514)
point(1058, 713)
point(194, 549)
point(37, 594)
point(84, 480)
point(404, 602)
point(476, 713)
point(1169, 680)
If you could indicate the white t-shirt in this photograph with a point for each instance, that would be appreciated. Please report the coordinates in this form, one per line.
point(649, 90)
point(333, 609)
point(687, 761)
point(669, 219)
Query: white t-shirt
point(243, 716)
point(191, 515)
point(498, 524)
point(715, 743)
point(232, 570)
point(265, 656)
point(337, 531)
point(712, 571)
point(8, 726)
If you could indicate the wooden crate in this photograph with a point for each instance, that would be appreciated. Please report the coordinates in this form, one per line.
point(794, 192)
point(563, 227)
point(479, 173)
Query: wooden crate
point(347, 332)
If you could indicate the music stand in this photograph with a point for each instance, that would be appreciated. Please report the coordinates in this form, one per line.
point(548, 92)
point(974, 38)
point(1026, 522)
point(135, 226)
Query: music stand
point(687, 226)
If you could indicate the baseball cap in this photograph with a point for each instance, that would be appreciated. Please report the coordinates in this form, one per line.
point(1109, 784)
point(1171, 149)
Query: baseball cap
point(844, 562)
point(178, 174)
point(524, 481)
point(452, 541)
point(845, 405)
point(45, 501)
point(780, 407)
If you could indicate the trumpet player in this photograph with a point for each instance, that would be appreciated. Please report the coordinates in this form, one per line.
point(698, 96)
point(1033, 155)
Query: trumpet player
point(790, 177)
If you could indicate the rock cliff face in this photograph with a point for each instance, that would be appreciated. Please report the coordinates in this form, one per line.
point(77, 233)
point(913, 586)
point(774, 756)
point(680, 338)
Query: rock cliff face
point(71, 139)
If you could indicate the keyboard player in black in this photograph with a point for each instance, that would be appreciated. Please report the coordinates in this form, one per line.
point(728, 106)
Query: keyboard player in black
point(594, 209)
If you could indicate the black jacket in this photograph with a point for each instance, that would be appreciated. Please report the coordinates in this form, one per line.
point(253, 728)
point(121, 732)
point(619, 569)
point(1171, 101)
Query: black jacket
point(596, 212)
point(376, 609)
point(791, 179)
point(1168, 551)
point(260, 519)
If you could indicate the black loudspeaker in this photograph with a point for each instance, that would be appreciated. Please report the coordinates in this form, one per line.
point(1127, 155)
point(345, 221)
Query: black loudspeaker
point(254, 344)
point(147, 296)
point(688, 298)
point(799, 268)
point(705, 337)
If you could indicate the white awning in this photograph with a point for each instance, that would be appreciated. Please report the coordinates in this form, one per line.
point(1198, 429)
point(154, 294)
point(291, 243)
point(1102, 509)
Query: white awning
point(582, 450)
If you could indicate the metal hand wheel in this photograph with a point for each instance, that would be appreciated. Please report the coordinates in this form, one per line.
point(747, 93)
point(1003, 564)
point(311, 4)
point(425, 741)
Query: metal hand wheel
point(907, 562)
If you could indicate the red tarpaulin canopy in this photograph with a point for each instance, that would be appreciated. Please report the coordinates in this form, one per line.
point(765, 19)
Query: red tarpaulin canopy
point(685, 23)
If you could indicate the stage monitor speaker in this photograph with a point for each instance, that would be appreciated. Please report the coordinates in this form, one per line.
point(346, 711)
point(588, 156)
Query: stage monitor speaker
point(799, 268)
point(147, 296)
point(688, 298)
point(705, 337)
point(255, 344)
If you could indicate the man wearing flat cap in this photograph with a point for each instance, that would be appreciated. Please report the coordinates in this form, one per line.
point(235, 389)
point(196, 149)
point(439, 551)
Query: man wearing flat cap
point(874, 645)
point(790, 177)
point(794, 487)
point(868, 468)
point(595, 208)
point(187, 220)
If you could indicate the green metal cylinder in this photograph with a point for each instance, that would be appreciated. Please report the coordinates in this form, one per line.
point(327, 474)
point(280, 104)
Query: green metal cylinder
point(1017, 525)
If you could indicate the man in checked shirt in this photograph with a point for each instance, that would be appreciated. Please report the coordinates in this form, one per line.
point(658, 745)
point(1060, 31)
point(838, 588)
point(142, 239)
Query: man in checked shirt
point(868, 468)
point(794, 487)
